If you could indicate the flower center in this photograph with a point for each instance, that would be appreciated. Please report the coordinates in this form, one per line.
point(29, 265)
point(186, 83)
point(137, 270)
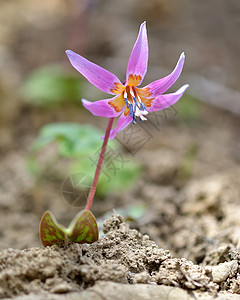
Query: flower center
point(134, 104)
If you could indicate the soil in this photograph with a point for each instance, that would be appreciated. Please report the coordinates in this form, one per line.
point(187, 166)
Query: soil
point(123, 255)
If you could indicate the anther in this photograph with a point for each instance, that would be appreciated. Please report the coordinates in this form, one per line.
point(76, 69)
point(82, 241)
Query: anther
point(126, 101)
point(142, 106)
point(131, 109)
point(134, 121)
point(135, 104)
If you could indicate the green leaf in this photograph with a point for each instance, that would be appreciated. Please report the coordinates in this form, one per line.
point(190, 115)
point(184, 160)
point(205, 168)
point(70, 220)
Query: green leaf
point(122, 178)
point(51, 85)
point(82, 144)
point(189, 109)
point(114, 175)
point(34, 166)
point(74, 140)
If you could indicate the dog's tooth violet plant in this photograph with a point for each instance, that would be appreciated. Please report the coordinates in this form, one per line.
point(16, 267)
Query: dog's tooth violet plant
point(131, 103)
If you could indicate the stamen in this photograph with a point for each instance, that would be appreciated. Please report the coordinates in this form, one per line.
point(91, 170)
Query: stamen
point(135, 104)
point(142, 118)
point(131, 109)
point(139, 99)
point(142, 106)
point(134, 121)
point(132, 92)
point(126, 101)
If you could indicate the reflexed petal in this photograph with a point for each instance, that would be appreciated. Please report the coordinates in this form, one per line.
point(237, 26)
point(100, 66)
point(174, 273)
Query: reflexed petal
point(164, 101)
point(160, 86)
point(102, 108)
point(101, 78)
point(123, 122)
point(137, 64)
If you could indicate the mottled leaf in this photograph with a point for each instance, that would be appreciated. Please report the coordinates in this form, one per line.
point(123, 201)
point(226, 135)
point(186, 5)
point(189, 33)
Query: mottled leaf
point(51, 233)
point(83, 228)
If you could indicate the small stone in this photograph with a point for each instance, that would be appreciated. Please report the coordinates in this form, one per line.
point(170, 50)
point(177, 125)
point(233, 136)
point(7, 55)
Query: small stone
point(61, 288)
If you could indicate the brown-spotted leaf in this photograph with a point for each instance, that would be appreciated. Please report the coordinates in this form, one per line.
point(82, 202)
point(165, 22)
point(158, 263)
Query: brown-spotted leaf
point(83, 228)
point(51, 233)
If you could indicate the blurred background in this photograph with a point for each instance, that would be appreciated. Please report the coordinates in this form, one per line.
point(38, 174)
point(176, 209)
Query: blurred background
point(46, 136)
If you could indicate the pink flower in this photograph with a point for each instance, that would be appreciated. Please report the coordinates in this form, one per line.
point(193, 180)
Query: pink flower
point(129, 100)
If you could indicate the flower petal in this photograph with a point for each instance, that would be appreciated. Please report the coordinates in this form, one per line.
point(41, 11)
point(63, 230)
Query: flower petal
point(103, 108)
point(164, 101)
point(160, 86)
point(137, 64)
point(123, 122)
point(96, 75)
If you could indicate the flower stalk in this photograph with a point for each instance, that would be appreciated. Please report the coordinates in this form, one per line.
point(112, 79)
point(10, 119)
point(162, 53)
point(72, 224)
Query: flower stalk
point(99, 166)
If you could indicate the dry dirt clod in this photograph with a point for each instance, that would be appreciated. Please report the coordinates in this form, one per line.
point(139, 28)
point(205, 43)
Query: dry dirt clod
point(222, 271)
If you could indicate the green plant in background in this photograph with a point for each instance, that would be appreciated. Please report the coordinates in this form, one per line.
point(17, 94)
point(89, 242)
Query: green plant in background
point(186, 168)
point(73, 139)
point(81, 144)
point(51, 85)
point(189, 110)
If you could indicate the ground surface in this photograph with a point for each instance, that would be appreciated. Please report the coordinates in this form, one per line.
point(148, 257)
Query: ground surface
point(123, 255)
point(192, 216)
